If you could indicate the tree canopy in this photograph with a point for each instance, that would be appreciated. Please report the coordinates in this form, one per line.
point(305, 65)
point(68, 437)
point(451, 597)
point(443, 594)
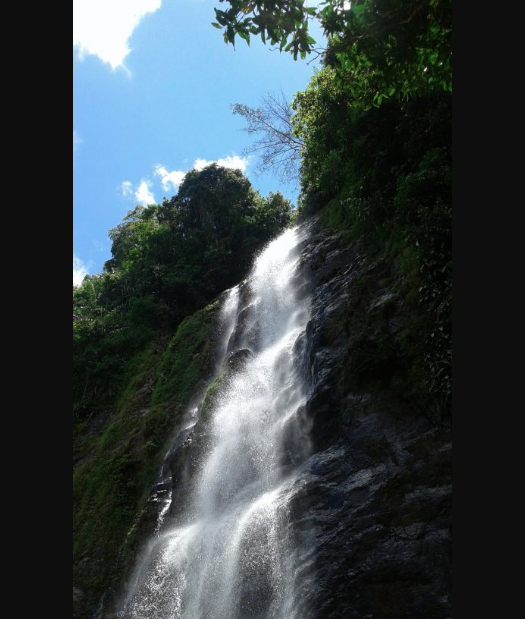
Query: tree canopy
point(389, 47)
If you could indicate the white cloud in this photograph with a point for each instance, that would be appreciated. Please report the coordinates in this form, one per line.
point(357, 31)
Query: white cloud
point(80, 270)
point(173, 178)
point(127, 189)
point(143, 194)
point(234, 162)
point(103, 27)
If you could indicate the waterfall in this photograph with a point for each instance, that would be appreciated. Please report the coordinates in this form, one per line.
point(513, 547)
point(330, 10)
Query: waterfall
point(228, 553)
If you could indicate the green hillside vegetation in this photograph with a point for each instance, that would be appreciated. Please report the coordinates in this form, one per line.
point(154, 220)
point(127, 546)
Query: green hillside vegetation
point(144, 335)
point(385, 175)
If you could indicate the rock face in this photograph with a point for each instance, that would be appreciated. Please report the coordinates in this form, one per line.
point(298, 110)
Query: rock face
point(372, 507)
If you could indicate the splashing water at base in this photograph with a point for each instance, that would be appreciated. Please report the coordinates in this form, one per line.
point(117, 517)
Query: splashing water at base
point(230, 555)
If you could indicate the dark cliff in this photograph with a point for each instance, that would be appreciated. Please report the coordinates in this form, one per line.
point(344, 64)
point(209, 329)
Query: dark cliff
point(373, 508)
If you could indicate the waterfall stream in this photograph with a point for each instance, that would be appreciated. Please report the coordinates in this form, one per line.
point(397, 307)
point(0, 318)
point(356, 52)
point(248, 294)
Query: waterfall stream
point(229, 552)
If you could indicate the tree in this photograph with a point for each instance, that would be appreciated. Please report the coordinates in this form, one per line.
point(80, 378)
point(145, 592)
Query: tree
point(278, 148)
point(388, 47)
point(129, 236)
point(281, 22)
point(274, 214)
point(213, 201)
point(185, 251)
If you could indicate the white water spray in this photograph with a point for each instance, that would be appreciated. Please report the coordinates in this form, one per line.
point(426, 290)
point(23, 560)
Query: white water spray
point(230, 554)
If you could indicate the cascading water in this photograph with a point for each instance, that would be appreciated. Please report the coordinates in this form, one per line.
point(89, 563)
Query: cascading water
point(228, 554)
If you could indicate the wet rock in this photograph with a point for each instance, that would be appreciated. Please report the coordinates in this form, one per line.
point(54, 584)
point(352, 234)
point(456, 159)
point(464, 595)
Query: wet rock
point(372, 509)
point(245, 318)
point(237, 360)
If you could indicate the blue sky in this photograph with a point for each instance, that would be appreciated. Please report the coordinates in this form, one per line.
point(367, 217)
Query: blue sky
point(152, 86)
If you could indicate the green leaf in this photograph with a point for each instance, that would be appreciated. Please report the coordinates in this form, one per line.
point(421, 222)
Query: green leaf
point(310, 40)
point(245, 36)
point(218, 26)
point(433, 57)
point(358, 9)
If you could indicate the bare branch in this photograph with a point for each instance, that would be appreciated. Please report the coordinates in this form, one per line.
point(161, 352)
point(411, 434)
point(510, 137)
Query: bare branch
point(278, 148)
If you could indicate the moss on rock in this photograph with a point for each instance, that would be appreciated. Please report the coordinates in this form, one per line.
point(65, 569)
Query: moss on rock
point(118, 452)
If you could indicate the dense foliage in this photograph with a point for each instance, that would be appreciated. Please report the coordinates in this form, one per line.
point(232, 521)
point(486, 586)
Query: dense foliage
point(168, 261)
point(390, 47)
